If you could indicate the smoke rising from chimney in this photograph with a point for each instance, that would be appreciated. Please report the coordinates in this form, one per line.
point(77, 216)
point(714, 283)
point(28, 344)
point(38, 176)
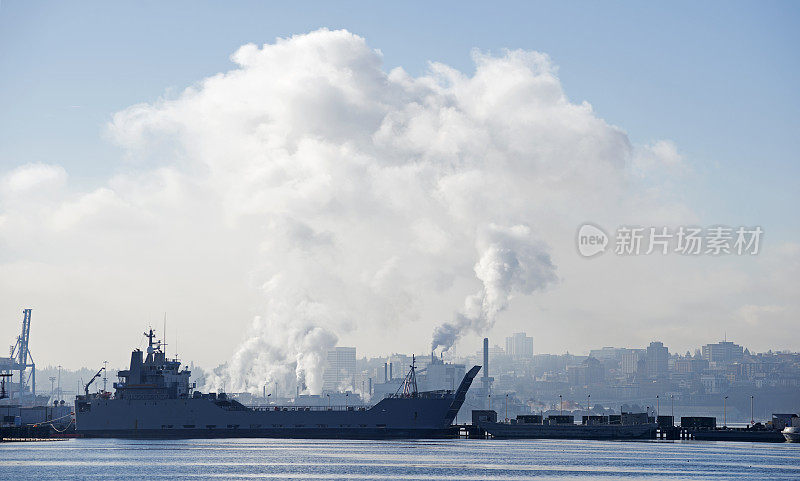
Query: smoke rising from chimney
point(512, 262)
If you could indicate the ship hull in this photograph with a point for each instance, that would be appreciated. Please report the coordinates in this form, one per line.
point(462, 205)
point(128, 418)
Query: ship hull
point(281, 433)
point(204, 418)
point(747, 435)
point(568, 431)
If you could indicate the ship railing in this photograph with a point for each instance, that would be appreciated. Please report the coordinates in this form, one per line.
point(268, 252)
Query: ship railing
point(359, 407)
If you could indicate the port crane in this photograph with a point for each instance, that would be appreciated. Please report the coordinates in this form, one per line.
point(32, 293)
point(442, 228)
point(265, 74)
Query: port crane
point(21, 359)
point(86, 387)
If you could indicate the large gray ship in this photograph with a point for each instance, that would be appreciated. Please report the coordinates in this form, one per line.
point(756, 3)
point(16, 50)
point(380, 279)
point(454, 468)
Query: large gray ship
point(155, 399)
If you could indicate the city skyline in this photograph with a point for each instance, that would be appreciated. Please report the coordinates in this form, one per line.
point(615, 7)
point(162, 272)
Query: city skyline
point(694, 382)
point(600, 353)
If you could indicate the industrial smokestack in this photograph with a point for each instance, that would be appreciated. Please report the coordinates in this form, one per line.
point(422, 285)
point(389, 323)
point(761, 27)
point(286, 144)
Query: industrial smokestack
point(391, 376)
point(486, 379)
point(486, 357)
point(385, 372)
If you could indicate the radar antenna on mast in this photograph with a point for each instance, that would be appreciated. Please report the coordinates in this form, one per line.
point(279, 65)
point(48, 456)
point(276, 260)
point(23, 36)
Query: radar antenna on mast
point(153, 345)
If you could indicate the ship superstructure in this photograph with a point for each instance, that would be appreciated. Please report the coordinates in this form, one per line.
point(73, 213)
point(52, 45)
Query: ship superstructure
point(154, 399)
point(154, 377)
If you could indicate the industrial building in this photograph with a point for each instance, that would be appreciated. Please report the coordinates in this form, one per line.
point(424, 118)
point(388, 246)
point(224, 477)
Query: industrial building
point(340, 369)
point(519, 346)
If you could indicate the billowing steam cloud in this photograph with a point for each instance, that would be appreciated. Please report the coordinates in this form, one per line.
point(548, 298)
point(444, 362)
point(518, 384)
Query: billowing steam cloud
point(511, 262)
point(366, 189)
point(355, 201)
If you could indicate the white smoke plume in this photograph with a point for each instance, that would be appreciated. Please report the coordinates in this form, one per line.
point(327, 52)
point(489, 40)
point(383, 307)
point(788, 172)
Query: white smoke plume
point(356, 202)
point(365, 187)
point(281, 354)
point(511, 262)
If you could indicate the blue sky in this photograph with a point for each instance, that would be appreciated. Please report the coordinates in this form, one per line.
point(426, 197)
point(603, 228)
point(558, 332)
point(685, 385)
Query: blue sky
point(718, 78)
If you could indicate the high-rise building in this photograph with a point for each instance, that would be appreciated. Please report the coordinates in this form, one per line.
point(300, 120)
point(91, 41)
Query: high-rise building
point(630, 360)
point(519, 346)
point(340, 369)
point(724, 351)
point(657, 361)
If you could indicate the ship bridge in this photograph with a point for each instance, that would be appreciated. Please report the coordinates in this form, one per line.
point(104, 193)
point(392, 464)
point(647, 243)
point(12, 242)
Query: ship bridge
point(153, 377)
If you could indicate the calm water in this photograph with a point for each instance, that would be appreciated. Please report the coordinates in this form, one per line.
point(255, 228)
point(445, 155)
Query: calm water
point(404, 460)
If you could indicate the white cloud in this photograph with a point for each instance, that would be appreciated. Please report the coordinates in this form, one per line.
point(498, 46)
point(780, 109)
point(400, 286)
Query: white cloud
point(326, 199)
point(32, 178)
point(756, 315)
point(659, 158)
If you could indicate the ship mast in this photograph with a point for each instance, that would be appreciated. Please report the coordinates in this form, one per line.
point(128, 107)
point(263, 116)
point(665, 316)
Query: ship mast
point(409, 386)
point(150, 336)
point(152, 344)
